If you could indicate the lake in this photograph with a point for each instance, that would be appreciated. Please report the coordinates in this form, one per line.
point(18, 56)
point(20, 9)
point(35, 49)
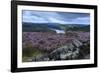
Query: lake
point(59, 31)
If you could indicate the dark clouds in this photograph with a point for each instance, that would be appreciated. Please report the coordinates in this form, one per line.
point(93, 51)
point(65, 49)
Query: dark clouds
point(56, 17)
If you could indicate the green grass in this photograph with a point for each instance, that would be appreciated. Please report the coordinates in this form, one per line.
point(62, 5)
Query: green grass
point(29, 53)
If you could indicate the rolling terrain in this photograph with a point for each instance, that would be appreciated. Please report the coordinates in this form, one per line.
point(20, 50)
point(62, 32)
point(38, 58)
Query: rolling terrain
point(42, 42)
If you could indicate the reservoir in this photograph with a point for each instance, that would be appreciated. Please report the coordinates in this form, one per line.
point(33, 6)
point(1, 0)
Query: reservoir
point(59, 31)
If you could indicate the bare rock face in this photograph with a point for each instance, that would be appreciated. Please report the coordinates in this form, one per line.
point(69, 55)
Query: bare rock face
point(77, 43)
point(65, 53)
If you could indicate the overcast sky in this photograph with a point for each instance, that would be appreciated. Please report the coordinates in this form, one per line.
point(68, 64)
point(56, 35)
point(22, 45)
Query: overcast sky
point(55, 17)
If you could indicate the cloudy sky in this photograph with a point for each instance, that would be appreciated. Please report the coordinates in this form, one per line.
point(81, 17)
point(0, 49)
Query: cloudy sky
point(55, 17)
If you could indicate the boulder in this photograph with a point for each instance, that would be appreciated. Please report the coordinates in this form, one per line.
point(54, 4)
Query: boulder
point(65, 52)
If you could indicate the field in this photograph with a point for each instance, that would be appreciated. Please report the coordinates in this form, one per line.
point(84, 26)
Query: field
point(52, 41)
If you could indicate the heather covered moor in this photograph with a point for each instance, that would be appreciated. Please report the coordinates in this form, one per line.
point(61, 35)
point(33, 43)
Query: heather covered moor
point(55, 36)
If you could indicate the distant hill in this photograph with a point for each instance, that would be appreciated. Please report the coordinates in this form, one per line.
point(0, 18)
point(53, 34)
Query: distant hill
point(75, 27)
point(30, 27)
point(46, 27)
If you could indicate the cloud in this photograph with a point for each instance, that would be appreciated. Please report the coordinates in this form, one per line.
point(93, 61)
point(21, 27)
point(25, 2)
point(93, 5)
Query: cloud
point(55, 17)
point(84, 20)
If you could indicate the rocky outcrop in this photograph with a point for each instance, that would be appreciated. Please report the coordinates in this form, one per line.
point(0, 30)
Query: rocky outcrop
point(70, 51)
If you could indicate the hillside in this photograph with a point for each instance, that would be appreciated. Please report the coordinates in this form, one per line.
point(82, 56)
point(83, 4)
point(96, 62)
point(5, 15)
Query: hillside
point(46, 27)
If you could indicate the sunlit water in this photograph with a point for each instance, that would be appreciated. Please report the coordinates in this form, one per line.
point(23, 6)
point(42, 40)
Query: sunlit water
point(59, 31)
